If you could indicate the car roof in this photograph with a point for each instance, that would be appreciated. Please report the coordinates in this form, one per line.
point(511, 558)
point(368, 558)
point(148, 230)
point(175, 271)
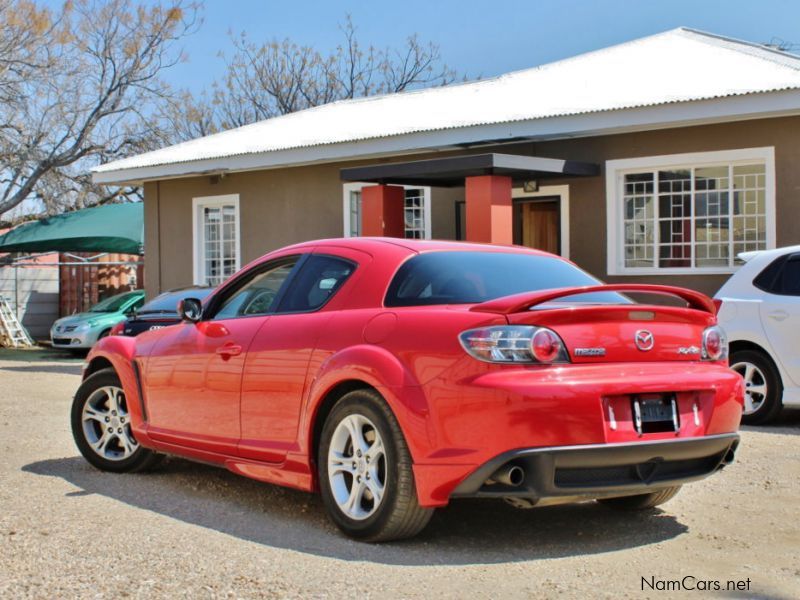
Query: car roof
point(187, 288)
point(129, 292)
point(768, 254)
point(740, 284)
point(370, 244)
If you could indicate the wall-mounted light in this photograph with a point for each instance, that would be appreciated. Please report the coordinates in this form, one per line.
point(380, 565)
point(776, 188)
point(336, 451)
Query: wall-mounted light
point(530, 186)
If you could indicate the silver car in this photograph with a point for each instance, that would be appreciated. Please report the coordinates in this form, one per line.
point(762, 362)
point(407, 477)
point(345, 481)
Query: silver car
point(82, 330)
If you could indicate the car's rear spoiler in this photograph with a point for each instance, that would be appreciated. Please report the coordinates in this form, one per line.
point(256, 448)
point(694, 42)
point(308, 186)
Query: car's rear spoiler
point(521, 302)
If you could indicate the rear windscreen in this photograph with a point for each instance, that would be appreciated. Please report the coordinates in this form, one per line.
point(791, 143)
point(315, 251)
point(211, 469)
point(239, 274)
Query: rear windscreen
point(168, 301)
point(474, 277)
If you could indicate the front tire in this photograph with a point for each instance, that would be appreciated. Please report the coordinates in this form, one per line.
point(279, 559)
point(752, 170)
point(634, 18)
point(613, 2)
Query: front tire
point(763, 387)
point(101, 426)
point(641, 501)
point(365, 474)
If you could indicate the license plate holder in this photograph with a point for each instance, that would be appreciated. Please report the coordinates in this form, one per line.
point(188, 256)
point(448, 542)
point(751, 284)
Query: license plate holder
point(655, 413)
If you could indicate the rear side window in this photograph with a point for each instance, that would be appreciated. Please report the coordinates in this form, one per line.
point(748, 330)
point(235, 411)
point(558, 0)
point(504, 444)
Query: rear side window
point(318, 280)
point(790, 277)
point(474, 277)
point(766, 280)
point(781, 276)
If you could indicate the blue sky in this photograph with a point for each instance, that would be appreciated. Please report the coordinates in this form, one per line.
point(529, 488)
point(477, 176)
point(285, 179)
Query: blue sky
point(479, 38)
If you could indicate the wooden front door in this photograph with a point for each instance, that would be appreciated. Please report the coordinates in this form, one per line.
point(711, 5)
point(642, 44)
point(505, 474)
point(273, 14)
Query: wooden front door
point(539, 225)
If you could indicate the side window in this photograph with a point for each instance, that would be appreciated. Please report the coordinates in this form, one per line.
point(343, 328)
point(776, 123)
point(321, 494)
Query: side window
point(257, 295)
point(318, 280)
point(136, 305)
point(781, 276)
point(768, 279)
point(789, 282)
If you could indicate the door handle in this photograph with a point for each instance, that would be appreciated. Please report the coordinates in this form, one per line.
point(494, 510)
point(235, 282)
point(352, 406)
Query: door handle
point(778, 315)
point(229, 350)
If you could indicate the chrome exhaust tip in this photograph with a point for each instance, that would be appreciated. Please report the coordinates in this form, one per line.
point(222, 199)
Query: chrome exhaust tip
point(511, 475)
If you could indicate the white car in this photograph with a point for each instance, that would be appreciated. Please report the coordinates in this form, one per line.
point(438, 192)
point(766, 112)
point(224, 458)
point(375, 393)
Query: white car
point(759, 309)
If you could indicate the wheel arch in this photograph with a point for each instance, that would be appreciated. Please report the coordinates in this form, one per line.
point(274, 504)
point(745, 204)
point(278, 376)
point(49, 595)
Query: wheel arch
point(117, 352)
point(773, 408)
point(325, 406)
point(369, 367)
point(741, 344)
point(97, 363)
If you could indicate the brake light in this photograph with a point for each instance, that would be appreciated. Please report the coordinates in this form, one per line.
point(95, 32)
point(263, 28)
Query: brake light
point(545, 345)
point(514, 344)
point(717, 304)
point(117, 329)
point(715, 344)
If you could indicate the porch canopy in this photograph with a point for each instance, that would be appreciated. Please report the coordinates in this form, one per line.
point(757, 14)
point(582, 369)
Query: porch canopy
point(110, 228)
point(487, 180)
point(452, 171)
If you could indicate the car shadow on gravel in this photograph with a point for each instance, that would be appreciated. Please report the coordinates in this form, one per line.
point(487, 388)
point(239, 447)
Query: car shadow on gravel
point(61, 369)
point(467, 532)
point(786, 423)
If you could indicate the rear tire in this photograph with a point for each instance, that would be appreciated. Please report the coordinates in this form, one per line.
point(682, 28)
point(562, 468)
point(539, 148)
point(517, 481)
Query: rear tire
point(641, 501)
point(760, 374)
point(101, 426)
point(362, 449)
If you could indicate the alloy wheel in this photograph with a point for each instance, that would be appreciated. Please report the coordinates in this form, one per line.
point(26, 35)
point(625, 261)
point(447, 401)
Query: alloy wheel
point(755, 386)
point(107, 424)
point(357, 467)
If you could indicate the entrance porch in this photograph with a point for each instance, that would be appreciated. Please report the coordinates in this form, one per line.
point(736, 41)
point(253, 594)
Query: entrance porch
point(508, 199)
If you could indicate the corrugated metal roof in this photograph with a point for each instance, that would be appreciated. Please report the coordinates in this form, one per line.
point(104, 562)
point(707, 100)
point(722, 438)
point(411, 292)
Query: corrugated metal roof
point(680, 65)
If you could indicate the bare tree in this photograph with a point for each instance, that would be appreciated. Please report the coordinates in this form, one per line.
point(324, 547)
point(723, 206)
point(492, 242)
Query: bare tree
point(265, 80)
point(23, 27)
point(81, 86)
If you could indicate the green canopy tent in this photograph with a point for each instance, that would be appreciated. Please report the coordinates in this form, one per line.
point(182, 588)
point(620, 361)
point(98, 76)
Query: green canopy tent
point(109, 228)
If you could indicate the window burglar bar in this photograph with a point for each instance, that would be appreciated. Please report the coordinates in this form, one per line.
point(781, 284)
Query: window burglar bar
point(693, 216)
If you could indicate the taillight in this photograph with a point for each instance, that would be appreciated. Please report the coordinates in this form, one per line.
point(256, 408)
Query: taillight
point(715, 344)
point(514, 344)
point(117, 329)
point(546, 345)
point(717, 304)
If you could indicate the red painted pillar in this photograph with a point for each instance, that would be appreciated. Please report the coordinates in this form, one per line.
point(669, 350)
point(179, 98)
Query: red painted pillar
point(489, 209)
point(383, 211)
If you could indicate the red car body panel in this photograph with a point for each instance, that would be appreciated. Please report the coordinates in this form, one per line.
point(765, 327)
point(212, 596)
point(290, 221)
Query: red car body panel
point(247, 393)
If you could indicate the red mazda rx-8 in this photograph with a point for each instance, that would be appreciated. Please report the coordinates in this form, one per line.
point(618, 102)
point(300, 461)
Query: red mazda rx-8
point(394, 375)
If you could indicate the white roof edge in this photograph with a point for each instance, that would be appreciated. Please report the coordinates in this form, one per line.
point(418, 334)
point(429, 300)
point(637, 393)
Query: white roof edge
point(698, 112)
point(583, 89)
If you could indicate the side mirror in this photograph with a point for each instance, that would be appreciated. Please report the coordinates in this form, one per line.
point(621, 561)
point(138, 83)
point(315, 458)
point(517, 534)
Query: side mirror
point(190, 309)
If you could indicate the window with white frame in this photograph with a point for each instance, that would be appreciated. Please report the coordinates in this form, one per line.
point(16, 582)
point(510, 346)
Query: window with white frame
point(689, 213)
point(216, 238)
point(417, 211)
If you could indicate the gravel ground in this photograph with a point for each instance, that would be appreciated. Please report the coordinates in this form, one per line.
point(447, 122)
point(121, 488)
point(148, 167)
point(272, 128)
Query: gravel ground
point(188, 530)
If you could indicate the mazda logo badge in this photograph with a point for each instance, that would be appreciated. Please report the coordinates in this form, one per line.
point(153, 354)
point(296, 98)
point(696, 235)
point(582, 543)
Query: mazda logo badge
point(644, 340)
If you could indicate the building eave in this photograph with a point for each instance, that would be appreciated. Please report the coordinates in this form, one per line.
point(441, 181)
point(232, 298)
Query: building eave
point(662, 116)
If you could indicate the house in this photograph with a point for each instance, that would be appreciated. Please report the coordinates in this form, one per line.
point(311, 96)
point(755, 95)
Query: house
point(657, 160)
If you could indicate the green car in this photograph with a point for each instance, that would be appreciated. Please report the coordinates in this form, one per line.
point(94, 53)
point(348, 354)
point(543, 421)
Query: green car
point(82, 330)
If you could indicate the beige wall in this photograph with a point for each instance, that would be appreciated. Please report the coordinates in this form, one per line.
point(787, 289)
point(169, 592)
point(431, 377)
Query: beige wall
point(587, 196)
point(277, 208)
point(284, 206)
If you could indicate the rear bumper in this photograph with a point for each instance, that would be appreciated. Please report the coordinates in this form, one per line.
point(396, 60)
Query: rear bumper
point(603, 470)
point(476, 418)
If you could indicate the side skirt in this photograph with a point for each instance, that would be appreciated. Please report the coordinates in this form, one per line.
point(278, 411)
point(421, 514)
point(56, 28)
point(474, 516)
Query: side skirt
point(294, 472)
